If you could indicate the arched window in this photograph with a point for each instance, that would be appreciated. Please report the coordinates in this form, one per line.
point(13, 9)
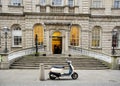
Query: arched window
point(16, 36)
point(96, 36)
point(116, 38)
point(16, 2)
point(74, 35)
point(39, 31)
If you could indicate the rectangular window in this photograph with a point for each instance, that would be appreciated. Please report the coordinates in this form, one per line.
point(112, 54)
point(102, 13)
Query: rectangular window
point(97, 3)
point(17, 40)
point(16, 2)
point(117, 4)
point(42, 2)
point(56, 2)
point(70, 2)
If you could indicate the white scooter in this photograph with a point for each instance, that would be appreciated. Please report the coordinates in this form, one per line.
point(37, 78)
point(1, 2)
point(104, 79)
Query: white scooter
point(57, 71)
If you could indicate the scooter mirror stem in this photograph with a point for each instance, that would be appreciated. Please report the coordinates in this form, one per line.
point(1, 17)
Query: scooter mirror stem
point(66, 59)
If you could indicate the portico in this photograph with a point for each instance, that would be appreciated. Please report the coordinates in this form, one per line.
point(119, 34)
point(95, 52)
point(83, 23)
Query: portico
point(57, 35)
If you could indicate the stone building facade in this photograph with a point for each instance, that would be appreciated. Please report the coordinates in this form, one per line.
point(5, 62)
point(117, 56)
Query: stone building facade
point(81, 23)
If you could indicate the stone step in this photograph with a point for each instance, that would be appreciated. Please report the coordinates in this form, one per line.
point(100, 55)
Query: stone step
point(32, 62)
point(46, 67)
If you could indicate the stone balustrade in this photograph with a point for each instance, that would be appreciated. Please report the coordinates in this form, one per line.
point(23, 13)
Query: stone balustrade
point(8, 58)
point(114, 61)
point(81, 51)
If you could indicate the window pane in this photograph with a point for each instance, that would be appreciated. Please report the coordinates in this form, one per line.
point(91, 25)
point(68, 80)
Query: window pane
point(116, 39)
point(16, 2)
point(119, 40)
point(42, 2)
point(17, 35)
point(57, 2)
point(38, 29)
point(70, 2)
point(96, 37)
point(74, 36)
point(97, 3)
point(117, 4)
point(17, 40)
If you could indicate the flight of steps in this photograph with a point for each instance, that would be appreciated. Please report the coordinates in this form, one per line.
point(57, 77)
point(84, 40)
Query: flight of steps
point(32, 62)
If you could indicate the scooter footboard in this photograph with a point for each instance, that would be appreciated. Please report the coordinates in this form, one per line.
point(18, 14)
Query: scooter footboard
point(56, 74)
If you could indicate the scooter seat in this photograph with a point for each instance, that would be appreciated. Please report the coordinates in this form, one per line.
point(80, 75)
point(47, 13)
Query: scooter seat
point(58, 66)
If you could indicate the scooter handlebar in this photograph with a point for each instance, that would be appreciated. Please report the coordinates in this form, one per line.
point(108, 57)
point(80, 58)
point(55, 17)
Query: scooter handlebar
point(68, 61)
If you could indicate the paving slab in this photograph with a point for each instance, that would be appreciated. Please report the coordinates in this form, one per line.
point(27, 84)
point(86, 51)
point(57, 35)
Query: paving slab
point(16, 77)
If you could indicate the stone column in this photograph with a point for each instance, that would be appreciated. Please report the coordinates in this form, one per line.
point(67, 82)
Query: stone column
point(4, 61)
point(66, 8)
point(76, 6)
point(66, 41)
point(47, 40)
point(5, 4)
point(50, 43)
point(42, 72)
point(108, 5)
point(48, 6)
point(38, 8)
point(114, 64)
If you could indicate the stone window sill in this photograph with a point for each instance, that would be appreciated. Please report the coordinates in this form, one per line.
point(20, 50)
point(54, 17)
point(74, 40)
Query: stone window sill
point(93, 8)
point(96, 48)
point(16, 6)
point(16, 46)
point(115, 8)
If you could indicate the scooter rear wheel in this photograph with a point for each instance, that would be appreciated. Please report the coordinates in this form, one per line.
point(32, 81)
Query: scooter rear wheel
point(52, 76)
point(74, 75)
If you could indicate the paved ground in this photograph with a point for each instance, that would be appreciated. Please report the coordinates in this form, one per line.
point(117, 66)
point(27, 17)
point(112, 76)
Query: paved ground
point(86, 78)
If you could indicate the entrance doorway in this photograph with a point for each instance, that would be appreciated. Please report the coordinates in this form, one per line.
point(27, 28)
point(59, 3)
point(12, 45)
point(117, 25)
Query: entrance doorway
point(57, 43)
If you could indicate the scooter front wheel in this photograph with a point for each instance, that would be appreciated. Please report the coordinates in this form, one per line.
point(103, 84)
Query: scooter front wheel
point(74, 75)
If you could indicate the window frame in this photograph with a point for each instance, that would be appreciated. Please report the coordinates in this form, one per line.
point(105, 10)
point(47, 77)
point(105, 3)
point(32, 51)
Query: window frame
point(0, 2)
point(69, 4)
point(96, 37)
point(39, 36)
point(117, 38)
point(116, 5)
point(16, 2)
point(43, 2)
point(57, 3)
point(76, 40)
point(16, 31)
point(97, 3)
point(17, 40)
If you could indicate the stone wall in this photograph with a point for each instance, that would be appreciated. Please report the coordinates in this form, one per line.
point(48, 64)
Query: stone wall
point(84, 15)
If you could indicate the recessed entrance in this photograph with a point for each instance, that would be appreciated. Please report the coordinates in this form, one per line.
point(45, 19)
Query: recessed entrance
point(56, 43)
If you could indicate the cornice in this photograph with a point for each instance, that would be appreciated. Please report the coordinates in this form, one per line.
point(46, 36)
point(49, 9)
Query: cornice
point(105, 16)
point(59, 14)
point(12, 14)
point(56, 14)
